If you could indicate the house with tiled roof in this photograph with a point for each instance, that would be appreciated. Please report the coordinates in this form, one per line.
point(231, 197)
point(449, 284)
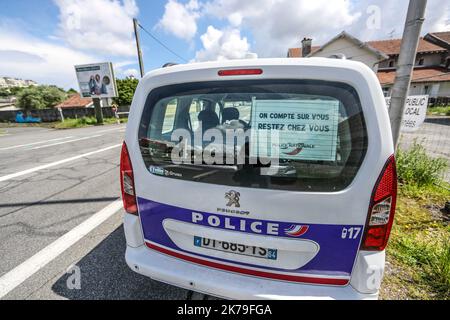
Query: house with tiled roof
point(431, 74)
point(343, 44)
point(76, 101)
point(441, 39)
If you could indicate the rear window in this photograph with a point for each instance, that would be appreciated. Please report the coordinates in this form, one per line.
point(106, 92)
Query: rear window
point(274, 134)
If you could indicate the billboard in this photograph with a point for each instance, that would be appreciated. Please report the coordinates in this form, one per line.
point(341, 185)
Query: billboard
point(415, 112)
point(96, 80)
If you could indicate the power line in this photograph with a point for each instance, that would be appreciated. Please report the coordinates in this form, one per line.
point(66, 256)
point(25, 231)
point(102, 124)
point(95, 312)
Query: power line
point(161, 43)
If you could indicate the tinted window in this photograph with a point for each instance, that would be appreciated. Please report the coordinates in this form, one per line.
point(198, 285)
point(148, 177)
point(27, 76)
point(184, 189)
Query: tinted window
point(289, 135)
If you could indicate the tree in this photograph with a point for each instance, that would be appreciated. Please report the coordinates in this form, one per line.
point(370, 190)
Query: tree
point(40, 97)
point(126, 88)
point(11, 92)
point(72, 91)
point(52, 96)
point(29, 99)
point(4, 92)
point(16, 90)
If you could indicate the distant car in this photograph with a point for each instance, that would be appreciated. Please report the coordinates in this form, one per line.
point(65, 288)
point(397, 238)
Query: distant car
point(260, 179)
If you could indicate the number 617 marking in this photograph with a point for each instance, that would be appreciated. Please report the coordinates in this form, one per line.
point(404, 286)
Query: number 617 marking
point(350, 233)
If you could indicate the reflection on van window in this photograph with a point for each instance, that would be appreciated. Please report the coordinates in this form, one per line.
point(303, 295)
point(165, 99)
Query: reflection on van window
point(277, 134)
point(169, 117)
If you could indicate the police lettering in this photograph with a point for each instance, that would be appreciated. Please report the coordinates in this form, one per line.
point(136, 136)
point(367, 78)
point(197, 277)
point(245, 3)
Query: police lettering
point(259, 227)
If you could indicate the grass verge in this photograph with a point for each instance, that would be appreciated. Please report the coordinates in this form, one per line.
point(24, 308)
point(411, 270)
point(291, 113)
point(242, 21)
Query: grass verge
point(84, 122)
point(418, 254)
point(439, 111)
point(67, 124)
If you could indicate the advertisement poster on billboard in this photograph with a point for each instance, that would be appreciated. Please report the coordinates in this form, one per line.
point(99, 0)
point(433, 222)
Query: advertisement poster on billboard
point(415, 112)
point(96, 80)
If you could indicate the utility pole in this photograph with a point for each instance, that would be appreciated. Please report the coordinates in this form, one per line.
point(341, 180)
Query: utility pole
point(405, 65)
point(138, 46)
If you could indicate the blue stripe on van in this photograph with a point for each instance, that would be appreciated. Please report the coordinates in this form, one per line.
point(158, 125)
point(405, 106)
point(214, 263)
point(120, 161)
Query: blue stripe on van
point(335, 258)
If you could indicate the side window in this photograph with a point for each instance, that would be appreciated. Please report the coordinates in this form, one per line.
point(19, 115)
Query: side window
point(194, 110)
point(198, 106)
point(169, 117)
point(244, 109)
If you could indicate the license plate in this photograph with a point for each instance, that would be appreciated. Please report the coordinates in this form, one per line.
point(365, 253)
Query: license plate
point(236, 248)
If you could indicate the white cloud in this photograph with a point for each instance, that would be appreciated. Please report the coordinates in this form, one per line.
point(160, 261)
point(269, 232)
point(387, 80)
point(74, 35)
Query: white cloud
point(131, 72)
point(122, 69)
point(46, 61)
point(277, 25)
point(181, 19)
point(392, 18)
point(98, 26)
point(437, 17)
point(222, 45)
point(27, 57)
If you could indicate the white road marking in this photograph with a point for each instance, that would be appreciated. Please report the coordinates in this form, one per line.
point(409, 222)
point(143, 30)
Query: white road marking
point(34, 143)
point(108, 130)
point(56, 163)
point(22, 272)
point(67, 141)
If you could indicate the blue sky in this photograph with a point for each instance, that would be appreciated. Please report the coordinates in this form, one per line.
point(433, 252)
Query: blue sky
point(42, 40)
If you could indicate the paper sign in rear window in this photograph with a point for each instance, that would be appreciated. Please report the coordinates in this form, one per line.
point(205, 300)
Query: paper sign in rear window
point(307, 129)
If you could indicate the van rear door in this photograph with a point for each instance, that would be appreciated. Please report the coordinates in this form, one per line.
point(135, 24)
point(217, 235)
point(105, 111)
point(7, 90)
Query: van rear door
point(268, 174)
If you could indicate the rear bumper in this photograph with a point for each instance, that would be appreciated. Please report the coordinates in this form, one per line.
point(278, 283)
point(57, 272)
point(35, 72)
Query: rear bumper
point(229, 285)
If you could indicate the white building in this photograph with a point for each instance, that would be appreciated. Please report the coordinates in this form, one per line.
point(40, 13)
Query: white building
point(8, 82)
point(343, 44)
point(431, 74)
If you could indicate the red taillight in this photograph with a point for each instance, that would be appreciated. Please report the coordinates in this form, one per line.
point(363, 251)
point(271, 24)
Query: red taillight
point(127, 182)
point(239, 72)
point(381, 209)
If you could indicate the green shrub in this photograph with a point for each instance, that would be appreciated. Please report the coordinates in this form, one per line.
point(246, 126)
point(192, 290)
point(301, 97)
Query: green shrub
point(415, 167)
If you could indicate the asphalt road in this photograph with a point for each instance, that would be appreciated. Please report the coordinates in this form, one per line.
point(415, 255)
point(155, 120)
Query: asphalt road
point(47, 189)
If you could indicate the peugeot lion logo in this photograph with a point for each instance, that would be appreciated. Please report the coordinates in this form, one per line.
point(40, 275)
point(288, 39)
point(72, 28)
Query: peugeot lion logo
point(233, 198)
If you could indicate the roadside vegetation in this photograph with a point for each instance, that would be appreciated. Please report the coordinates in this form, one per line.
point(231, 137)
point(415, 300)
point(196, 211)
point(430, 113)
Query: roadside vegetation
point(125, 88)
point(40, 97)
point(418, 254)
point(439, 111)
point(84, 122)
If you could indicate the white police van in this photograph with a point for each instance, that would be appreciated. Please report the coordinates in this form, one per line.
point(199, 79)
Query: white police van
point(260, 179)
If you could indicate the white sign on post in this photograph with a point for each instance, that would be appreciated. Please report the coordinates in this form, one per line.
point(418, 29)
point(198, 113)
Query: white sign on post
point(96, 80)
point(307, 129)
point(415, 112)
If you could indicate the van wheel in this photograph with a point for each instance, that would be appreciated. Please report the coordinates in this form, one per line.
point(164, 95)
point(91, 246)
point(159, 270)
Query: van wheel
point(192, 295)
